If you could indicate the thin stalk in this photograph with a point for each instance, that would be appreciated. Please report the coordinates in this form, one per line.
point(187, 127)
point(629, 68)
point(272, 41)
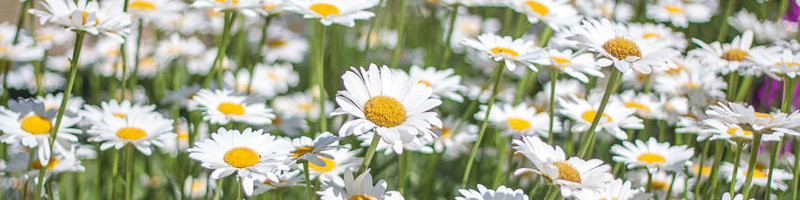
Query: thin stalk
point(552, 111)
point(744, 88)
point(796, 172)
point(114, 174)
point(238, 189)
point(733, 83)
point(370, 152)
point(522, 86)
point(501, 158)
point(367, 43)
point(737, 156)
point(130, 150)
point(787, 94)
point(309, 190)
point(699, 172)
point(136, 58)
point(752, 164)
point(723, 29)
point(784, 4)
point(217, 191)
point(611, 87)
point(319, 65)
point(671, 185)
point(649, 182)
point(222, 46)
point(718, 154)
point(552, 193)
point(403, 172)
point(772, 158)
point(498, 73)
point(400, 32)
point(449, 38)
point(259, 49)
point(73, 71)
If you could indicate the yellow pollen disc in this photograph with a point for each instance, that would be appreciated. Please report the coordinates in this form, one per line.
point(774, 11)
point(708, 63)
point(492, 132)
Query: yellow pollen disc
point(651, 158)
point(197, 185)
point(446, 131)
point(674, 71)
point(234, 2)
point(329, 165)
point(276, 43)
point(758, 173)
point(659, 185)
point(230, 109)
point(734, 55)
point(567, 172)
point(385, 111)
point(301, 151)
point(639, 106)
point(732, 131)
point(325, 9)
point(269, 6)
point(703, 171)
point(241, 157)
point(305, 106)
point(498, 50)
point(788, 64)
point(362, 197)
point(764, 115)
point(142, 5)
point(425, 82)
point(621, 48)
point(648, 35)
point(538, 7)
point(691, 85)
point(130, 133)
point(675, 9)
point(560, 61)
point(36, 125)
point(518, 124)
point(590, 115)
point(50, 165)
point(274, 76)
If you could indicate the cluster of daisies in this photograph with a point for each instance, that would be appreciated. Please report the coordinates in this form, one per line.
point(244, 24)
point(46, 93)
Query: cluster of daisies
point(466, 99)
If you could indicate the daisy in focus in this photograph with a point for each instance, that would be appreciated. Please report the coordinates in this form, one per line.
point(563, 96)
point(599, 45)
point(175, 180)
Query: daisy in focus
point(483, 193)
point(614, 118)
point(343, 12)
point(732, 57)
point(142, 130)
point(313, 150)
point(85, 16)
point(511, 52)
point(652, 155)
point(360, 187)
point(223, 107)
point(554, 13)
point(778, 65)
point(29, 123)
point(577, 65)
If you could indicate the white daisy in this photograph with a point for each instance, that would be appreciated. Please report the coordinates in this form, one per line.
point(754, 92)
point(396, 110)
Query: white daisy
point(777, 65)
point(615, 46)
point(691, 77)
point(343, 12)
point(647, 105)
point(469, 26)
point(28, 123)
point(726, 58)
point(222, 107)
point(300, 104)
point(84, 16)
point(715, 129)
point(502, 193)
point(420, 145)
point(509, 51)
point(661, 182)
point(573, 175)
point(445, 83)
point(658, 35)
point(142, 130)
point(246, 7)
point(455, 138)
point(151, 9)
point(772, 125)
point(554, 13)
point(760, 176)
point(727, 196)
point(359, 188)
point(179, 47)
point(283, 45)
point(286, 179)
point(652, 155)
point(615, 117)
point(121, 110)
point(766, 31)
point(616, 190)
point(312, 150)
point(331, 173)
point(520, 120)
point(252, 155)
point(576, 65)
point(395, 107)
point(679, 13)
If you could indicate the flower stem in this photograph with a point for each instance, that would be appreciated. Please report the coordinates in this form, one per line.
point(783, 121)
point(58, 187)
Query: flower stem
point(671, 185)
point(786, 99)
point(448, 39)
point(400, 32)
point(718, 154)
point(498, 74)
point(309, 191)
point(733, 83)
point(702, 163)
point(370, 152)
point(552, 193)
point(553, 78)
point(218, 190)
point(73, 71)
point(752, 164)
point(737, 157)
point(135, 73)
point(222, 46)
point(611, 87)
point(129, 150)
point(367, 43)
point(319, 66)
point(649, 181)
point(723, 29)
point(403, 172)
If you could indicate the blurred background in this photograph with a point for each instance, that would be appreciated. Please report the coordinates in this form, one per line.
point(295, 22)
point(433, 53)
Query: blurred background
point(9, 10)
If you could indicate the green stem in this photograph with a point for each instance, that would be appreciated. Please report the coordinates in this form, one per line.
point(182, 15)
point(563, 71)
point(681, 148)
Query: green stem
point(737, 157)
point(784, 4)
point(319, 66)
point(796, 172)
point(370, 152)
point(498, 73)
point(309, 191)
point(552, 193)
point(398, 48)
point(611, 87)
point(367, 43)
point(733, 83)
point(114, 174)
point(501, 158)
point(129, 170)
point(222, 46)
point(553, 79)
point(449, 38)
point(772, 158)
point(723, 29)
point(671, 185)
point(136, 57)
point(752, 164)
point(699, 172)
point(73, 71)
point(718, 154)
point(217, 191)
point(649, 181)
point(403, 172)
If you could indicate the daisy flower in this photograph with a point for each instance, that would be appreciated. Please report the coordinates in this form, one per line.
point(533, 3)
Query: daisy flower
point(647, 105)
point(615, 117)
point(445, 83)
point(554, 13)
point(53, 102)
point(679, 13)
point(772, 125)
point(652, 155)
point(28, 123)
point(151, 9)
point(286, 179)
point(520, 120)
point(766, 31)
point(719, 130)
point(252, 155)
point(760, 176)
point(312, 150)
point(617, 190)
point(616, 47)
point(288, 125)
point(141, 130)
point(576, 65)
point(85, 16)
point(64, 161)
point(572, 176)
point(509, 51)
point(49, 36)
point(25, 78)
point(690, 78)
point(726, 58)
point(359, 188)
point(222, 107)
point(777, 65)
point(283, 45)
point(657, 35)
point(196, 186)
point(420, 145)
point(469, 26)
point(453, 140)
point(397, 108)
point(246, 7)
point(727, 196)
point(502, 193)
point(343, 159)
point(343, 12)
point(300, 104)
point(120, 110)
point(271, 7)
point(179, 47)
point(661, 181)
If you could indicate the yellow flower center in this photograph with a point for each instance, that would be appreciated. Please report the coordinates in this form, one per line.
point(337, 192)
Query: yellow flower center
point(362, 197)
point(732, 131)
point(703, 171)
point(130, 133)
point(651, 158)
point(446, 132)
point(230, 108)
point(44, 37)
point(538, 7)
point(734, 55)
point(305, 106)
point(659, 185)
point(300, 151)
point(691, 85)
point(591, 114)
point(648, 35)
point(518, 124)
point(639, 106)
point(674, 71)
point(36, 125)
point(621, 48)
point(269, 6)
point(233, 2)
point(560, 61)
point(276, 43)
point(142, 5)
point(325, 9)
point(788, 64)
point(674, 9)
point(567, 172)
point(329, 165)
point(241, 157)
point(385, 111)
point(425, 82)
point(758, 173)
point(50, 164)
point(498, 50)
